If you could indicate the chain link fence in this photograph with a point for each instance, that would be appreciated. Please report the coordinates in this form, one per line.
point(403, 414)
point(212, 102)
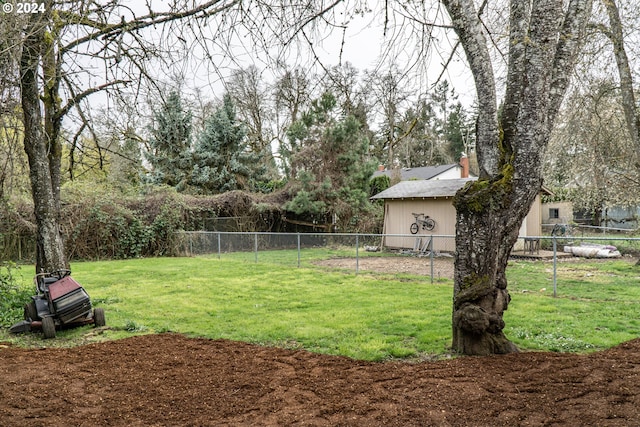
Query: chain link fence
point(569, 253)
point(192, 243)
point(221, 243)
point(429, 255)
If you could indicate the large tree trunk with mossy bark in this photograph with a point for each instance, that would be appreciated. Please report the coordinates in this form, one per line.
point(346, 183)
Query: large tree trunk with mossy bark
point(42, 146)
point(489, 214)
point(544, 42)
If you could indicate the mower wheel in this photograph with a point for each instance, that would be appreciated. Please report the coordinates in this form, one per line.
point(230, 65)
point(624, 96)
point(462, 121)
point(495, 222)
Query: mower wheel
point(48, 327)
point(30, 312)
point(98, 317)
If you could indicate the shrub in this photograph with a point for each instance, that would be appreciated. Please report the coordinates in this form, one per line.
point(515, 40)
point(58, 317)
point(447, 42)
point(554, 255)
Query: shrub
point(12, 296)
point(379, 184)
point(108, 231)
point(104, 223)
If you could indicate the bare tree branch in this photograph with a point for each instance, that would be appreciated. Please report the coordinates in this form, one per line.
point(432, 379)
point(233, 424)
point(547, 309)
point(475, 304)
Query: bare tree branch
point(106, 31)
point(76, 99)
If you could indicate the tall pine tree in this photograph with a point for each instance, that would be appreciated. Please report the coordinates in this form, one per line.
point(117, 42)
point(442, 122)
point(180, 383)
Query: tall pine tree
point(332, 165)
point(222, 158)
point(170, 143)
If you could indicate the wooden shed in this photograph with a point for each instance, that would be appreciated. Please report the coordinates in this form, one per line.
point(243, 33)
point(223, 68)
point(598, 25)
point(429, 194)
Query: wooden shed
point(435, 199)
point(557, 212)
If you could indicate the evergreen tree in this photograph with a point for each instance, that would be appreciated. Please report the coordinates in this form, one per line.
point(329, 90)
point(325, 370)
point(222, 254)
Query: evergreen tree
point(332, 164)
point(456, 131)
point(420, 142)
point(170, 143)
point(223, 161)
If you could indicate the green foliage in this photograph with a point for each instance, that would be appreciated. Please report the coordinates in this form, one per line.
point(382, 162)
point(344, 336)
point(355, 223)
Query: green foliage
point(270, 186)
point(13, 296)
point(14, 176)
point(125, 165)
point(114, 232)
point(331, 168)
point(112, 228)
point(560, 194)
point(433, 130)
point(132, 326)
point(590, 153)
point(170, 143)
point(101, 223)
point(170, 219)
point(223, 161)
point(296, 133)
point(308, 198)
point(379, 184)
point(456, 131)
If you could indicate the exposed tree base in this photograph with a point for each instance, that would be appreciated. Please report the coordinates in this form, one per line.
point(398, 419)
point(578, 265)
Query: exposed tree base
point(478, 332)
point(482, 344)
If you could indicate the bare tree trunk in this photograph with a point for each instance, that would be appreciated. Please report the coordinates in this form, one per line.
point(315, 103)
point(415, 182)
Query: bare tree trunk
point(490, 211)
point(49, 243)
point(616, 36)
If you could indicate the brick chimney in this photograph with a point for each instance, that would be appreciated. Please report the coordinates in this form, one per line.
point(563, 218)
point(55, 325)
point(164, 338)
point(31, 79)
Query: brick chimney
point(464, 163)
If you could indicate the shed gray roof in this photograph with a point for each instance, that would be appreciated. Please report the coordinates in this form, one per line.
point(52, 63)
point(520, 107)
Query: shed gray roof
point(423, 172)
point(419, 189)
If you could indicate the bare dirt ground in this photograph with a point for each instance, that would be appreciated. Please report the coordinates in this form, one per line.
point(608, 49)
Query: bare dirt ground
point(442, 266)
point(171, 380)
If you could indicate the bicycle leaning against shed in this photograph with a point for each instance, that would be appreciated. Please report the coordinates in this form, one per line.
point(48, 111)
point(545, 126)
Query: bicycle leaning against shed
point(423, 222)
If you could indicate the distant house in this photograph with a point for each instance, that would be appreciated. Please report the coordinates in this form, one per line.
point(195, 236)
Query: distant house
point(621, 217)
point(451, 171)
point(613, 216)
point(435, 199)
point(557, 212)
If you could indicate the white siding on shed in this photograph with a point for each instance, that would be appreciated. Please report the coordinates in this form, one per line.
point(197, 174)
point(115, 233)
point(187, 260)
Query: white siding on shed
point(398, 217)
point(435, 199)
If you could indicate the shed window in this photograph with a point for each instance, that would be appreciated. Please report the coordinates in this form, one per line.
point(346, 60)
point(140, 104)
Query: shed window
point(554, 213)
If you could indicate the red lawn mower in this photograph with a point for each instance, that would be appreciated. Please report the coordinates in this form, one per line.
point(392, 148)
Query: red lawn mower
point(60, 303)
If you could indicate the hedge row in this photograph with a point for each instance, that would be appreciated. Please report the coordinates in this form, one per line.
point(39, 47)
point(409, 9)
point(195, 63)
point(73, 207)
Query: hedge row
point(109, 226)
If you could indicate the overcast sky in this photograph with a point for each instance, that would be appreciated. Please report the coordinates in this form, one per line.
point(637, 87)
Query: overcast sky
point(363, 43)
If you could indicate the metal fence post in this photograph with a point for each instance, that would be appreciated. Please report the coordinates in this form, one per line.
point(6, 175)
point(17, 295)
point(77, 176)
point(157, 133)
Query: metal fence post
point(219, 245)
point(555, 263)
point(298, 250)
point(357, 254)
point(255, 246)
point(431, 256)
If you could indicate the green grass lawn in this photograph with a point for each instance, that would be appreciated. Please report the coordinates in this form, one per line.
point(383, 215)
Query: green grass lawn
point(598, 305)
point(364, 316)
